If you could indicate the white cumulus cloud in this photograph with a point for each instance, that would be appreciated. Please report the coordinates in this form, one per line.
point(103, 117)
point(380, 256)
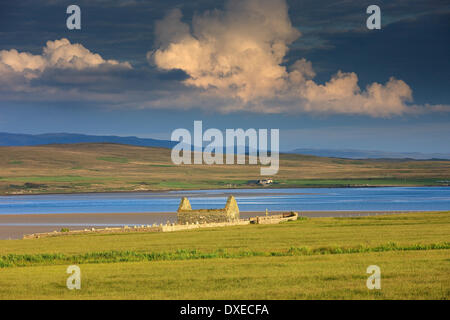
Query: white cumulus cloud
point(58, 54)
point(236, 55)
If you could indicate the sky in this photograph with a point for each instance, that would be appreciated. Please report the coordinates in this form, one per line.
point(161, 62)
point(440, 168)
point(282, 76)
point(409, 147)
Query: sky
point(309, 68)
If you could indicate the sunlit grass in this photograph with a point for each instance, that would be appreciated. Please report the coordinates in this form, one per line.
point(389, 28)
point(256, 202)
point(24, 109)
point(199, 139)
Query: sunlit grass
point(321, 258)
point(404, 275)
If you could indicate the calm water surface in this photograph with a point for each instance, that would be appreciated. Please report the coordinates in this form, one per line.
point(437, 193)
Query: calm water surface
point(304, 199)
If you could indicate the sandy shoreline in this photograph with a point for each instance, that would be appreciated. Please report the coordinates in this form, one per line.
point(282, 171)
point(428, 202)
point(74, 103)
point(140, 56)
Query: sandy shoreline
point(14, 226)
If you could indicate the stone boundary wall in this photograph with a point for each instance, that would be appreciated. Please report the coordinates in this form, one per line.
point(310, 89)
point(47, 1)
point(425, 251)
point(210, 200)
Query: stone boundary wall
point(170, 227)
point(291, 216)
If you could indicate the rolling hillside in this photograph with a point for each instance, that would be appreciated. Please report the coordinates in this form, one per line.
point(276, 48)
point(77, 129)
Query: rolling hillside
point(99, 167)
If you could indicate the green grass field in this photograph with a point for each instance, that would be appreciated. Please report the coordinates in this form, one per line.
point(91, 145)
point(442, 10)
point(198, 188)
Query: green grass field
point(320, 258)
point(110, 167)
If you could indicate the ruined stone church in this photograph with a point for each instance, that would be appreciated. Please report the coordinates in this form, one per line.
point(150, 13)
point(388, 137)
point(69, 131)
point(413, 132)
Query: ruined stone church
point(185, 214)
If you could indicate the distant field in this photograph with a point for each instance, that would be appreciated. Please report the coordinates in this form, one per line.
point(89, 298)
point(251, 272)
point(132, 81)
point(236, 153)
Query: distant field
point(321, 258)
point(111, 167)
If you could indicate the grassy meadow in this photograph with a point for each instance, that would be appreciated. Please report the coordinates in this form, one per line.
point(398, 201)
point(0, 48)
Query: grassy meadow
point(320, 258)
point(110, 167)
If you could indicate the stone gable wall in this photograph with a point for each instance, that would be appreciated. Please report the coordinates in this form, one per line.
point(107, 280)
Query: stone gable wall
point(185, 214)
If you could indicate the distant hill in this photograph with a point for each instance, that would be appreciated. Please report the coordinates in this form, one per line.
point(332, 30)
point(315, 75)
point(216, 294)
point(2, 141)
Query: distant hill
point(17, 140)
point(363, 154)
point(12, 139)
point(108, 167)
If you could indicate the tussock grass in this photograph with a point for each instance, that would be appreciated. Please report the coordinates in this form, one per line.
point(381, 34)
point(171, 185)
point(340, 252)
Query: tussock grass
point(21, 260)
